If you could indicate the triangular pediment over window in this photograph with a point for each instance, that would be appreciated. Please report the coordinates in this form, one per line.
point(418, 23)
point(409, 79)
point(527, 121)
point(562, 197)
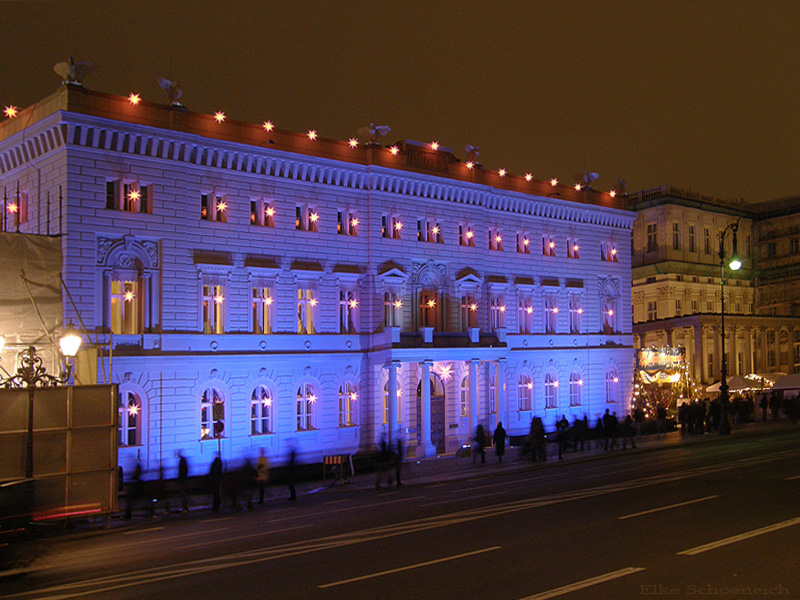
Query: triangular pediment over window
point(468, 275)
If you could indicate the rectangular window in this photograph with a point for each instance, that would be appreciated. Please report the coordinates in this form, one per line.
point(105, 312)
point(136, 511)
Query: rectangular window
point(652, 237)
point(213, 208)
point(691, 239)
point(652, 311)
point(347, 311)
point(306, 218)
point(466, 235)
point(346, 223)
point(213, 308)
point(678, 308)
point(397, 227)
point(550, 314)
point(306, 310)
point(497, 312)
point(794, 246)
point(548, 246)
point(523, 243)
point(525, 314)
point(608, 252)
point(262, 213)
point(262, 310)
point(747, 247)
point(695, 308)
point(392, 309)
point(125, 307)
point(676, 236)
point(495, 239)
point(706, 240)
point(573, 250)
point(390, 227)
point(469, 311)
point(130, 197)
point(575, 314)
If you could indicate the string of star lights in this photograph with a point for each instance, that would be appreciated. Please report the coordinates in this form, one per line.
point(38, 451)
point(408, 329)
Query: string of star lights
point(11, 111)
point(134, 98)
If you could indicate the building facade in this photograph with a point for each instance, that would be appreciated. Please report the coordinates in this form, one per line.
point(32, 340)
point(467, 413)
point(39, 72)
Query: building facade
point(253, 288)
point(677, 281)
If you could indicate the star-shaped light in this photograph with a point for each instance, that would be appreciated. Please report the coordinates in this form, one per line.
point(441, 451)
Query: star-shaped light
point(10, 111)
point(393, 150)
point(473, 307)
point(575, 248)
point(134, 99)
point(268, 300)
point(266, 401)
point(134, 195)
point(221, 206)
point(529, 385)
point(353, 396)
point(555, 384)
point(133, 409)
point(352, 303)
point(397, 304)
point(314, 217)
point(312, 398)
point(555, 309)
point(613, 193)
point(219, 299)
point(613, 252)
point(313, 302)
point(615, 380)
point(398, 226)
point(470, 234)
point(580, 381)
point(502, 172)
point(498, 238)
point(552, 244)
point(219, 116)
point(577, 187)
point(434, 145)
point(268, 126)
point(12, 208)
point(431, 303)
point(529, 309)
point(312, 134)
point(528, 176)
point(525, 242)
point(270, 211)
point(610, 312)
point(580, 311)
point(554, 182)
point(129, 296)
point(354, 222)
point(352, 142)
point(470, 165)
point(435, 230)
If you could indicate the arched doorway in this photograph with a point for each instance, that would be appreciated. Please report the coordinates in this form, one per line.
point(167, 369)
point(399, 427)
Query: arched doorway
point(437, 414)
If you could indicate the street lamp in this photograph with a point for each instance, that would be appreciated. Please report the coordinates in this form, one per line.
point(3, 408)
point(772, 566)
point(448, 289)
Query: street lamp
point(31, 374)
point(734, 263)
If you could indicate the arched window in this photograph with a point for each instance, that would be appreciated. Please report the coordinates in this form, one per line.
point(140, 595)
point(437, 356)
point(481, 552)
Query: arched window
point(212, 414)
point(493, 391)
point(550, 391)
point(125, 304)
point(464, 396)
point(306, 407)
point(610, 315)
point(612, 387)
point(130, 419)
point(261, 411)
point(575, 386)
point(348, 396)
point(525, 392)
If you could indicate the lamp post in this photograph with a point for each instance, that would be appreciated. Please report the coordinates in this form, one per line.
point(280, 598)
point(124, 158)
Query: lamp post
point(31, 374)
point(734, 263)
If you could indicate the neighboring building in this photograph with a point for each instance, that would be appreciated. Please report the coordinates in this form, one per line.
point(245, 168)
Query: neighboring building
point(278, 289)
point(676, 281)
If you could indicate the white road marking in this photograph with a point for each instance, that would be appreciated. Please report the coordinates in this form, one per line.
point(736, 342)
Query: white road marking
point(795, 477)
point(240, 537)
point(216, 519)
point(653, 510)
point(740, 537)
point(584, 584)
point(339, 501)
point(428, 487)
point(387, 494)
point(409, 567)
point(138, 531)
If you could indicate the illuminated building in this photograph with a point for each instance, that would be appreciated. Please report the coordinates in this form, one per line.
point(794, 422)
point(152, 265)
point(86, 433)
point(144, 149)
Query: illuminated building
point(277, 288)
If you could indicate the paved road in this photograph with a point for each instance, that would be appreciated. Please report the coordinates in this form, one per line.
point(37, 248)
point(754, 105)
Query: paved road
point(688, 521)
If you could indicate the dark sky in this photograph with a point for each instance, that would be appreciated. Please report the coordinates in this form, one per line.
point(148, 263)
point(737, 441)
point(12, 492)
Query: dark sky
point(702, 94)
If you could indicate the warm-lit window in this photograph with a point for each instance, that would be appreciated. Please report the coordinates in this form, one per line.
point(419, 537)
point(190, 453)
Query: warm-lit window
point(466, 235)
point(130, 419)
point(550, 314)
point(125, 307)
point(523, 243)
point(348, 398)
point(306, 407)
point(525, 313)
point(306, 218)
point(493, 390)
point(429, 231)
point(261, 411)
point(346, 223)
point(129, 197)
point(262, 212)
point(263, 309)
point(497, 311)
point(525, 392)
point(214, 207)
point(573, 249)
point(386, 403)
point(428, 308)
point(212, 414)
point(610, 315)
point(548, 246)
point(213, 308)
point(306, 310)
point(495, 239)
point(652, 310)
point(609, 252)
point(469, 311)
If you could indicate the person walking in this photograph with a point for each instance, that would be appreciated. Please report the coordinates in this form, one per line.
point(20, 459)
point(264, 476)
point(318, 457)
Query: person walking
point(499, 439)
point(215, 482)
point(262, 474)
point(562, 428)
point(183, 475)
point(384, 459)
point(290, 474)
point(398, 461)
point(479, 444)
point(628, 433)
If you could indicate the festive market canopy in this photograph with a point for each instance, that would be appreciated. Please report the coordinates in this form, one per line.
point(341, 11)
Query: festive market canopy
point(787, 382)
point(735, 384)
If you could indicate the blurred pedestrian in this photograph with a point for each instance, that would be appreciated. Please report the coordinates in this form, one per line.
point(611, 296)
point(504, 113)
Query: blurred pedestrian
point(479, 445)
point(215, 482)
point(262, 474)
point(628, 433)
point(562, 428)
point(290, 474)
point(499, 439)
point(384, 458)
point(183, 475)
point(398, 461)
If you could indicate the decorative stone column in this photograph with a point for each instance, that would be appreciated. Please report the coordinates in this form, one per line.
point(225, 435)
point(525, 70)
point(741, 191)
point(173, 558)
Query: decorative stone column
point(502, 402)
point(473, 396)
point(427, 448)
point(391, 400)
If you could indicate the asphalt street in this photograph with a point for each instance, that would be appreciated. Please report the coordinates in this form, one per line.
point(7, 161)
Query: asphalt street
point(712, 520)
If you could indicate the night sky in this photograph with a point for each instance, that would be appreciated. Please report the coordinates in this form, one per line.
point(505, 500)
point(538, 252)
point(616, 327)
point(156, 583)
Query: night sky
point(703, 95)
